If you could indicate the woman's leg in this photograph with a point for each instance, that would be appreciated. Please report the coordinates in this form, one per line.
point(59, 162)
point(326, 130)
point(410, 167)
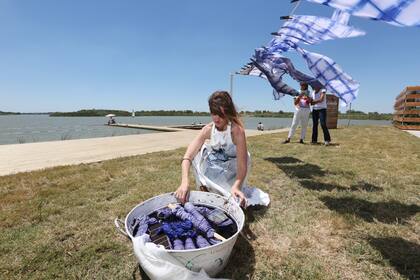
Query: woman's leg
point(323, 119)
point(295, 123)
point(315, 116)
point(304, 122)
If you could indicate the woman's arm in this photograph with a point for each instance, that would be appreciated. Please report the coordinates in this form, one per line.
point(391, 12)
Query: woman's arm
point(297, 100)
point(320, 99)
point(182, 192)
point(239, 140)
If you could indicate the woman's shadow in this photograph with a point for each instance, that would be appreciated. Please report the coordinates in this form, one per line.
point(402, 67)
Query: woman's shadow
point(241, 264)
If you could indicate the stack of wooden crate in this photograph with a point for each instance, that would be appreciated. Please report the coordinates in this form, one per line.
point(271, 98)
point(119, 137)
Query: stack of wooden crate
point(332, 111)
point(407, 109)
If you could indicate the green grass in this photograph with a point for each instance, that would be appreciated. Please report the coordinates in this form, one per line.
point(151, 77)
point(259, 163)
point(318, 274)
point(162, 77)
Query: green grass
point(349, 211)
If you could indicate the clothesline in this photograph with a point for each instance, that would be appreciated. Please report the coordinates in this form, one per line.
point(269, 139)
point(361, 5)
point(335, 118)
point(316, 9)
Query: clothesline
point(270, 63)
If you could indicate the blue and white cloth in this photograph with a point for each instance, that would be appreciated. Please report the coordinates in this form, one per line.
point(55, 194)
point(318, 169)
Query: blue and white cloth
point(274, 74)
point(276, 45)
point(251, 70)
point(272, 66)
point(341, 16)
point(395, 12)
point(330, 74)
point(275, 77)
point(312, 29)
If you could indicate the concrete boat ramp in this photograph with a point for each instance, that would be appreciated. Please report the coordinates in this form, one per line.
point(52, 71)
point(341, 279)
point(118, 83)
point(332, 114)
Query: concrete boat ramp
point(34, 156)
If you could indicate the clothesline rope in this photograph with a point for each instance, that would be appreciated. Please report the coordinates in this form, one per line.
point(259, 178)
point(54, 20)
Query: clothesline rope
point(292, 12)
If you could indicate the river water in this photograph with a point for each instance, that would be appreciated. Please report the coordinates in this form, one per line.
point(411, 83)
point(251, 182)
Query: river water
point(38, 128)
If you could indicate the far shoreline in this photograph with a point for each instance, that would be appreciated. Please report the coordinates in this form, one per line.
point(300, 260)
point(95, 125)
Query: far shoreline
point(352, 115)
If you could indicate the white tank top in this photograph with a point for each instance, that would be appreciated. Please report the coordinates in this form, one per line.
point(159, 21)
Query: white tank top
point(222, 140)
point(323, 104)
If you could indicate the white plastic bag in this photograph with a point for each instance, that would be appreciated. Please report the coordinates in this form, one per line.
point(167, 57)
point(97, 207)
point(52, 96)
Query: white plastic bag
point(160, 265)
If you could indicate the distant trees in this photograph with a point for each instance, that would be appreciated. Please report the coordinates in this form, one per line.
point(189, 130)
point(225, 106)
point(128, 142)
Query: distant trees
point(269, 114)
point(90, 113)
point(171, 113)
point(8, 113)
point(121, 113)
point(360, 115)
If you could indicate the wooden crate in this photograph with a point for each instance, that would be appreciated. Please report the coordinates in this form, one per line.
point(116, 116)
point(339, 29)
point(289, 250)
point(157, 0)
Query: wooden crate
point(407, 109)
point(332, 111)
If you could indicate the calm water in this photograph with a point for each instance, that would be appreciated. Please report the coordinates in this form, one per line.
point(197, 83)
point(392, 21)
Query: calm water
point(38, 128)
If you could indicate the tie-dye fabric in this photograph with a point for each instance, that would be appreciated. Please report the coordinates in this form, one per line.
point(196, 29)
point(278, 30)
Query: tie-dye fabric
point(395, 12)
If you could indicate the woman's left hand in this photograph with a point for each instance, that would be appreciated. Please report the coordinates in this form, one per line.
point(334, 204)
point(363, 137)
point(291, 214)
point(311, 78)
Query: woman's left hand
point(240, 195)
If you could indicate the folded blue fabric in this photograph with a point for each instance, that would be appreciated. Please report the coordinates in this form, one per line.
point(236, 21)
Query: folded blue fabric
point(196, 218)
point(189, 244)
point(202, 242)
point(181, 229)
point(178, 244)
point(140, 225)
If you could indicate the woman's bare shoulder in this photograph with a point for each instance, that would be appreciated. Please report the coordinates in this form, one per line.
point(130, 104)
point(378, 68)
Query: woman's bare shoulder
point(206, 130)
point(207, 127)
point(238, 130)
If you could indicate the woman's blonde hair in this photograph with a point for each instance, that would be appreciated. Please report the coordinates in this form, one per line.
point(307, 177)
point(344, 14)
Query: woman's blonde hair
point(221, 104)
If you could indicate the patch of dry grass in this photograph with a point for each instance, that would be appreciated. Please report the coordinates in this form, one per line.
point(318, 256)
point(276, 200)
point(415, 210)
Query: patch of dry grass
point(349, 211)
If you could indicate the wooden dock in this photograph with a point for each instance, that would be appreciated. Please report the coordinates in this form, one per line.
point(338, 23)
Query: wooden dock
point(148, 127)
point(190, 126)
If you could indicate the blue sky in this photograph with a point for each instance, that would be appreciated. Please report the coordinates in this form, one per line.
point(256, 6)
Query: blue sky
point(145, 55)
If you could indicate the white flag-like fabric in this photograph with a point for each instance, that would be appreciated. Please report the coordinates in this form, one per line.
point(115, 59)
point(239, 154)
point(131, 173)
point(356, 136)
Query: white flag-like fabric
point(312, 30)
point(395, 12)
point(330, 74)
point(276, 45)
point(341, 16)
point(269, 63)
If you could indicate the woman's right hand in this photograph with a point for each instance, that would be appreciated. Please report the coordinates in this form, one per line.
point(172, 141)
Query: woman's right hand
point(182, 193)
point(238, 194)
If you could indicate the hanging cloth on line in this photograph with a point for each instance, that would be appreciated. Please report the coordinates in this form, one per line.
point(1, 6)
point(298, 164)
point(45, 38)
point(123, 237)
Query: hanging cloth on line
point(330, 74)
point(274, 66)
point(395, 12)
point(341, 16)
point(313, 29)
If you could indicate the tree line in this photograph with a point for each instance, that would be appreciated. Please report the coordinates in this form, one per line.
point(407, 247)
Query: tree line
point(121, 113)
point(350, 114)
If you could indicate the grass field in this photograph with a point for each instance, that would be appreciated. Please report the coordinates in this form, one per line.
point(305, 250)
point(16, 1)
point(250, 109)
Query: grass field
point(347, 211)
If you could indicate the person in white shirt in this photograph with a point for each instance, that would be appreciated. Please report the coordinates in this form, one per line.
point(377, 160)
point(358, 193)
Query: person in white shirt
point(319, 113)
point(260, 126)
point(301, 115)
